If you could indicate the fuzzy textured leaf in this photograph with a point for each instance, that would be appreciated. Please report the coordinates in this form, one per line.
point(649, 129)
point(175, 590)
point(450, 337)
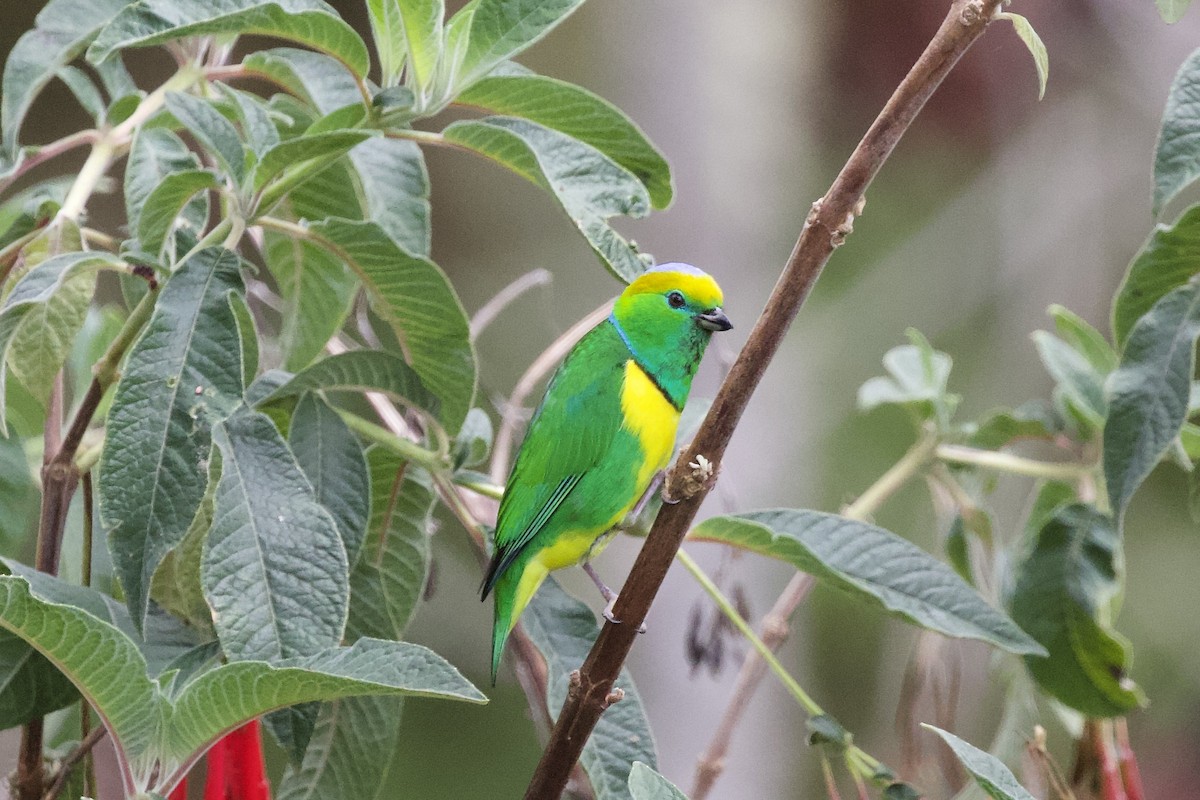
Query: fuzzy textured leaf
point(413, 296)
point(1172, 10)
point(1065, 593)
point(330, 456)
point(165, 204)
point(211, 129)
point(309, 22)
point(153, 471)
point(222, 699)
point(361, 371)
point(390, 575)
point(646, 784)
point(987, 770)
point(31, 310)
point(157, 153)
point(872, 565)
point(500, 29)
point(1177, 156)
point(578, 113)
point(102, 662)
point(563, 630)
point(1077, 380)
point(1169, 259)
point(1032, 42)
point(62, 30)
point(1148, 393)
point(274, 568)
point(303, 151)
point(590, 186)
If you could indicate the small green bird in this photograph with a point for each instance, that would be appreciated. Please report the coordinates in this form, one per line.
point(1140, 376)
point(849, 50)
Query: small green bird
point(605, 427)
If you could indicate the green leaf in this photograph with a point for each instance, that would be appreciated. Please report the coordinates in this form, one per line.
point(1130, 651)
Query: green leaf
point(61, 31)
point(330, 456)
point(1169, 259)
point(308, 22)
point(215, 133)
point(646, 784)
point(589, 185)
point(247, 336)
point(1065, 593)
point(563, 630)
point(1078, 382)
point(315, 77)
point(989, 772)
point(153, 470)
point(500, 29)
point(390, 575)
point(167, 202)
point(1084, 339)
point(361, 371)
point(224, 698)
point(387, 29)
point(1172, 10)
point(1041, 60)
point(85, 92)
point(176, 583)
point(395, 190)
point(415, 298)
point(390, 172)
point(1176, 161)
point(1148, 394)
point(871, 565)
point(274, 568)
point(353, 749)
point(581, 115)
point(30, 686)
point(1035, 419)
point(156, 154)
point(43, 341)
point(317, 293)
point(917, 380)
point(304, 153)
point(31, 310)
point(474, 440)
point(258, 130)
point(420, 22)
point(109, 671)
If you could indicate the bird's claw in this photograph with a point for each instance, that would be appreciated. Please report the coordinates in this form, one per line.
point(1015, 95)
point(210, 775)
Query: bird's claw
point(607, 613)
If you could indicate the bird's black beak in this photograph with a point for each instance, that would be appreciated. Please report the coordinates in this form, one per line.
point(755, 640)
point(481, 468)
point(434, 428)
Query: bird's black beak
point(714, 320)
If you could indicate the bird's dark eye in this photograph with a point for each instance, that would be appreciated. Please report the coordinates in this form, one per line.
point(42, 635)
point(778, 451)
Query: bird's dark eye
point(676, 300)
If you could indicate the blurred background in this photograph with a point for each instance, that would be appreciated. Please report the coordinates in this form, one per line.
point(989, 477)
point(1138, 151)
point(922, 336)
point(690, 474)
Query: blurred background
point(994, 206)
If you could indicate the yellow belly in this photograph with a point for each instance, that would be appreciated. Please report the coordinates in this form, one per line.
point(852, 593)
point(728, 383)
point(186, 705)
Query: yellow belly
point(651, 418)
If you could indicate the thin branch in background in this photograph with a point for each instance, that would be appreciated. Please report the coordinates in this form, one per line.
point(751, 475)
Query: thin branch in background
point(59, 782)
point(541, 366)
point(47, 152)
point(774, 627)
point(503, 298)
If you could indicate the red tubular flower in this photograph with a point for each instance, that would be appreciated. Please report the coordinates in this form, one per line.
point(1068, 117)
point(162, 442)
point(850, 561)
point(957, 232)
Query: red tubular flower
point(235, 766)
point(179, 792)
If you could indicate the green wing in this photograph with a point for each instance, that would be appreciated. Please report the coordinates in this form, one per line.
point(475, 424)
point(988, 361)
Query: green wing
point(571, 434)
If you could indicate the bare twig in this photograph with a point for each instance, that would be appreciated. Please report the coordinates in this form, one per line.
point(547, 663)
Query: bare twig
point(492, 308)
point(541, 366)
point(825, 228)
point(59, 782)
point(773, 629)
point(49, 151)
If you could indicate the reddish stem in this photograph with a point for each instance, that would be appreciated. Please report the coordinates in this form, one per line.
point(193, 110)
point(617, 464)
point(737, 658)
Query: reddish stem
point(1130, 774)
point(1111, 787)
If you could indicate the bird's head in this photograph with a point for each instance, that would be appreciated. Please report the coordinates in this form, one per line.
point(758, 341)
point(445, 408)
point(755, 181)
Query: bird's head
point(675, 297)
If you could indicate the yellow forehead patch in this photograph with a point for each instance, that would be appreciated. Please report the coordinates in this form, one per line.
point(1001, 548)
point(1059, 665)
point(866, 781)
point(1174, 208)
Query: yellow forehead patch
point(697, 287)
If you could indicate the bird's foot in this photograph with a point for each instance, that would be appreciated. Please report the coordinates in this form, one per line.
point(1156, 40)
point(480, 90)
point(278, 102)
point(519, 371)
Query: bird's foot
point(608, 614)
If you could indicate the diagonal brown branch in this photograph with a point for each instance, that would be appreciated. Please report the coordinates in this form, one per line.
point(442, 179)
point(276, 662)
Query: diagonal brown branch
point(825, 228)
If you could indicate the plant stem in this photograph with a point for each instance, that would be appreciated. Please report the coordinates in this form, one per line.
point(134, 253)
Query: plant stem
point(1017, 465)
point(825, 228)
point(794, 688)
point(64, 771)
point(405, 448)
point(49, 151)
point(774, 625)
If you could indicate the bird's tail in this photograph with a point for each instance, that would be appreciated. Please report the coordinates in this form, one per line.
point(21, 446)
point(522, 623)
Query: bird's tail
point(513, 591)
